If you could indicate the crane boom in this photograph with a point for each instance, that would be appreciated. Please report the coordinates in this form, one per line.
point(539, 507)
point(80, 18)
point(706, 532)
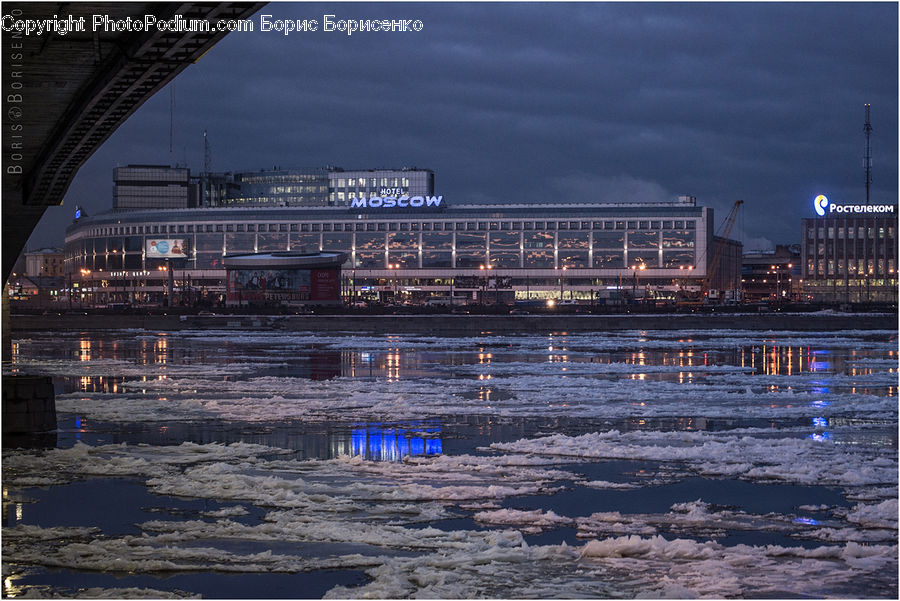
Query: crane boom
point(717, 255)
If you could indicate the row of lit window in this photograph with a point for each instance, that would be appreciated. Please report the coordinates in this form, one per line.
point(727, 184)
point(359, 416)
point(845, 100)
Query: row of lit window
point(370, 182)
point(381, 226)
point(851, 233)
point(857, 250)
point(860, 266)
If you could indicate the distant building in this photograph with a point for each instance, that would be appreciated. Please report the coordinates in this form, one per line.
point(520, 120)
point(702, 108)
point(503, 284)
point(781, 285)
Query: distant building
point(151, 187)
point(45, 262)
point(417, 250)
point(773, 275)
point(315, 187)
point(849, 253)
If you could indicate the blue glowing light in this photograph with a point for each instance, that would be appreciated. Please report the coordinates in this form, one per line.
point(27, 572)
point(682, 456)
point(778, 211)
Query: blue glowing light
point(820, 422)
point(807, 521)
point(820, 437)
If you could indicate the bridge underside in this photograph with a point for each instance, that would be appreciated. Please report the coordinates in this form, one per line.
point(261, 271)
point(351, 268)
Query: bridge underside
point(66, 94)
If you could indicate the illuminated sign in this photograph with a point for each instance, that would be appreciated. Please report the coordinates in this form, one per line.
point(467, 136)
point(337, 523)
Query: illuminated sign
point(820, 202)
point(823, 206)
point(390, 202)
point(77, 212)
point(166, 249)
point(392, 192)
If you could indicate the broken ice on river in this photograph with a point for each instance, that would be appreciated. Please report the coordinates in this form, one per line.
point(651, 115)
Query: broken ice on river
point(629, 464)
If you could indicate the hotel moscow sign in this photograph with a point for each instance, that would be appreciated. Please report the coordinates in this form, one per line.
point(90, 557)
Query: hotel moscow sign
point(824, 207)
point(391, 202)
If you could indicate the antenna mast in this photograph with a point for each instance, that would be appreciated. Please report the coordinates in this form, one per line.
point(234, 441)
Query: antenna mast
point(207, 154)
point(868, 159)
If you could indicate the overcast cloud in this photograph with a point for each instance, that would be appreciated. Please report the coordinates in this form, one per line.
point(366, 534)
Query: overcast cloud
point(547, 102)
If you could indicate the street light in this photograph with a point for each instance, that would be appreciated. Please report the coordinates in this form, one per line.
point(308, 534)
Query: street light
point(636, 268)
point(484, 279)
point(394, 278)
point(561, 275)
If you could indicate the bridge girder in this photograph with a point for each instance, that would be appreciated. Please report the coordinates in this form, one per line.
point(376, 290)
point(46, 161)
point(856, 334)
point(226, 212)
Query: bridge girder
point(73, 91)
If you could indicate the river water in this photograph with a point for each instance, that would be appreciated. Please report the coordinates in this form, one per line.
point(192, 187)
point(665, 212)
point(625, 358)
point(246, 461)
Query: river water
point(269, 464)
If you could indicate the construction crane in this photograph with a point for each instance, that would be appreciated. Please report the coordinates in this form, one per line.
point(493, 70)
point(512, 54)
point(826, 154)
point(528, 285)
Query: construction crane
point(720, 248)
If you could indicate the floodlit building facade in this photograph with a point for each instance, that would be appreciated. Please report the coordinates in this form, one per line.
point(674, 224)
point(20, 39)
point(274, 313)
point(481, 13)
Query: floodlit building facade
point(849, 253)
point(415, 247)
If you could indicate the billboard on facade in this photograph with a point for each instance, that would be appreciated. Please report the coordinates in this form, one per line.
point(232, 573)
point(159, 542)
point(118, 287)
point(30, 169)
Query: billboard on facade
point(168, 248)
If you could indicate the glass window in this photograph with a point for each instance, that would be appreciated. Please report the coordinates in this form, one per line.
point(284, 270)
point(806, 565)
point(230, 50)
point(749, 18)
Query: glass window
point(504, 240)
point(690, 225)
point(643, 239)
point(406, 260)
point(337, 241)
point(505, 259)
point(401, 240)
point(678, 258)
point(678, 239)
point(209, 242)
point(470, 241)
point(369, 260)
point(648, 258)
point(609, 239)
point(573, 240)
point(538, 240)
point(436, 260)
point(305, 242)
point(437, 240)
point(539, 258)
point(239, 243)
point(573, 259)
point(271, 242)
point(469, 260)
point(369, 241)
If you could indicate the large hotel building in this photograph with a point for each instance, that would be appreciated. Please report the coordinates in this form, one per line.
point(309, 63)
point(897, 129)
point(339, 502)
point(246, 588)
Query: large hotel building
point(423, 246)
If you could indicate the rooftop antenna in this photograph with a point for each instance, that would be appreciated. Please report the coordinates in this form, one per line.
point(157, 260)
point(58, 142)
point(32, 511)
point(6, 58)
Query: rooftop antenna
point(868, 159)
point(171, 117)
point(207, 154)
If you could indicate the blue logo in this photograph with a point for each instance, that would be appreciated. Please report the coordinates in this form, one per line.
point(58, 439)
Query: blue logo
point(820, 202)
point(162, 247)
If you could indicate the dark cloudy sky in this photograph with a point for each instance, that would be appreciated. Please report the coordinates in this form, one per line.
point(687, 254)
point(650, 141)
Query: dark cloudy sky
point(547, 102)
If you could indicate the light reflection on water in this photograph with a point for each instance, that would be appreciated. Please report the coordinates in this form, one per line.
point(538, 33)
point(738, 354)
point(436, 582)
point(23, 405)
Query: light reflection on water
point(378, 443)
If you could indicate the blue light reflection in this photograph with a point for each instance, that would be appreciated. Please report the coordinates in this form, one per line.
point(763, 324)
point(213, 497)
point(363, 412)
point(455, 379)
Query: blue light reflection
point(378, 443)
point(807, 521)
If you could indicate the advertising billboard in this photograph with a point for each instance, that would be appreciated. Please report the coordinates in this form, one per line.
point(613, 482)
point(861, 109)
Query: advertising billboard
point(168, 248)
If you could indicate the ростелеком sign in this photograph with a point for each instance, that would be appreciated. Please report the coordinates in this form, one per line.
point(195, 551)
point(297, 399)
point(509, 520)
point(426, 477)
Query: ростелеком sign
point(824, 207)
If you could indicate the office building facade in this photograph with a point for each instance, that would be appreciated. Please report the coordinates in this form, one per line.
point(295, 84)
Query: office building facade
point(151, 187)
point(850, 257)
point(318, 187)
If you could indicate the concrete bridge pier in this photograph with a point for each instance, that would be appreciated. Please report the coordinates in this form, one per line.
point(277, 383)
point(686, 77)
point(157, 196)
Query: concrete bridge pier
point(29, 406)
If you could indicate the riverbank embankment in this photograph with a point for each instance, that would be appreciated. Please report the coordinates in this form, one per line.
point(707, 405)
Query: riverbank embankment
point(463, 324)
